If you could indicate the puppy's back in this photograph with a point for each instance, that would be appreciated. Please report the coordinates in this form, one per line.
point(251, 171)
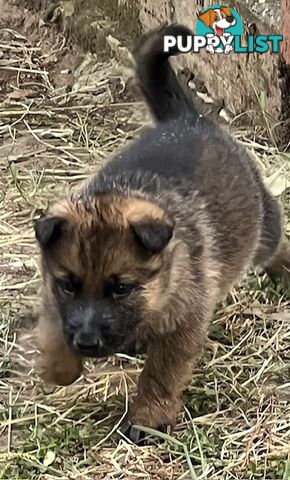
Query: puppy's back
point(184, 148)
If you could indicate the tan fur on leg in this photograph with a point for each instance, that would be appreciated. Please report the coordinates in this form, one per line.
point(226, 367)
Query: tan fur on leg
point(279, 264)
point(57, 364)
point(165, 375)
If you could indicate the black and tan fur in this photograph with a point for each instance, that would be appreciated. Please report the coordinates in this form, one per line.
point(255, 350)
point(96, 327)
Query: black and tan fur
point(143, 253)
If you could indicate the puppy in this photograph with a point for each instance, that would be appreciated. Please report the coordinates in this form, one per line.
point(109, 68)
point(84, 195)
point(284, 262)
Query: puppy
point(218, 19)
point(145, 250)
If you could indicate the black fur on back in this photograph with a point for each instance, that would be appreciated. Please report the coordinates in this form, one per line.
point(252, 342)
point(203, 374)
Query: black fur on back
point(164, 95)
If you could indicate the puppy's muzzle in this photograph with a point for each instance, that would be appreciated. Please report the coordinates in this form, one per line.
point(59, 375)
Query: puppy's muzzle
point(91, 330)
point(87, 343)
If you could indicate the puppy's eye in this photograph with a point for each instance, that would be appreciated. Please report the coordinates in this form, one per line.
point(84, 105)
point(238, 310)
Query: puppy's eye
point(116, 289)
point(123, 288)
point(66, 287)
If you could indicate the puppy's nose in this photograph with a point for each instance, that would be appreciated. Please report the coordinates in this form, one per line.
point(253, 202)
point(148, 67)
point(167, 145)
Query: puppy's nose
point(86, 341)
point(230, 19)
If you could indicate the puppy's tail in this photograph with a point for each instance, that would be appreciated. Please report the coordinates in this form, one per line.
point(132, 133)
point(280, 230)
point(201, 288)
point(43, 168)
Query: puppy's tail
point(160, 87)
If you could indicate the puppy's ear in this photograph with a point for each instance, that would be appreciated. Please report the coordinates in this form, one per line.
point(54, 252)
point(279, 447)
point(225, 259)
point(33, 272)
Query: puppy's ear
point(226, 11)
point(48, 230)
point(206, 18)
point(150, 223)
point(153, 235)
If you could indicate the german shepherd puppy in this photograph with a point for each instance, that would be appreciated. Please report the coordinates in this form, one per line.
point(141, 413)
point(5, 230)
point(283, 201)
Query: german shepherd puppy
point(144, 251)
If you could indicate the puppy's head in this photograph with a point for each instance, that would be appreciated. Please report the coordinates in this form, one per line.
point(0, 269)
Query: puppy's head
point(105, 267)
point(221, 17)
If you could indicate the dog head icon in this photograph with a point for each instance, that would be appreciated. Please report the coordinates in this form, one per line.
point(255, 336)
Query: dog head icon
point(218, 19)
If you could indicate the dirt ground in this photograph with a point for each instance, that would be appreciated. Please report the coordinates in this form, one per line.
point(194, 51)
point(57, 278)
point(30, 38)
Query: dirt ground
point(62, 113)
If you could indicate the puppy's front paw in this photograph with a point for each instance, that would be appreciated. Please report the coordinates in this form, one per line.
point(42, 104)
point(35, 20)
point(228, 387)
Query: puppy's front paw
point(228, 49)
point(138, 436)
point(131, 433)
point(210, 49)
point(59, 371)
point(159, 416)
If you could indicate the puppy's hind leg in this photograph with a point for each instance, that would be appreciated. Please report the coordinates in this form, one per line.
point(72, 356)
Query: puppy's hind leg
point(273, 254)
point(279, 264)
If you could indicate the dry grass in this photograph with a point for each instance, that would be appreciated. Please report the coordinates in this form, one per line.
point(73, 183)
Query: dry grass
point(236, 420)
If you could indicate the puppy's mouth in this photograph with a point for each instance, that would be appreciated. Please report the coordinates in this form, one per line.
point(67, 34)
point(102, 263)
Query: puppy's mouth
point(93, 351)
point(223, 24)
point(219, 31)
point(97, 348)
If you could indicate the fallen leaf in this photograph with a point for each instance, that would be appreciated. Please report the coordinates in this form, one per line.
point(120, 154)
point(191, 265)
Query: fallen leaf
point(261, 313)
point(277, 183)
point(49, 458)
point(16, 94)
